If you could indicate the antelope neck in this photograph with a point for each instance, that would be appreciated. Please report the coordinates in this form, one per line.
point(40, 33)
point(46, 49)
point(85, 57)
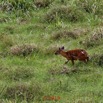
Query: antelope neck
point(63, 53)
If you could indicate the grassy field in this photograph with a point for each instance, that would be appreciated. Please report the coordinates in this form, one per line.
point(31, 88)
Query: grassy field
point(31, 32)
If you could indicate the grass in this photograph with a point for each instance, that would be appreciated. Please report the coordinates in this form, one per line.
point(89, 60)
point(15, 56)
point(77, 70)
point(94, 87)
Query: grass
point(30, 72)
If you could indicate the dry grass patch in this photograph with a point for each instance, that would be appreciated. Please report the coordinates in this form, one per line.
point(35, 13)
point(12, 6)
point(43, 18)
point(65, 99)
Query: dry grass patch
point(18, 5)
point(91, 6)
point(77, 32)
point(95, 39)
point(5, 6)
point(63, 70)
point(24, 91)
point(51, 49)
point(6, 40)
point(39, 26)
point(23, 21)
point(97, 59)
point(42, 3)
point(19, 73)
point(69, 13)
point(4, 19)
point(9, 29)
point(23, 49)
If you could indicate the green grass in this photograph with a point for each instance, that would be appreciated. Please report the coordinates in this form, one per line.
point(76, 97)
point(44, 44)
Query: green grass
point(27, 77)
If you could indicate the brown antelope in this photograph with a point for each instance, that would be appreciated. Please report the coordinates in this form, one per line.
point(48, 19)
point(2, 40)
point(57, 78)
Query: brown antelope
point(76, 54)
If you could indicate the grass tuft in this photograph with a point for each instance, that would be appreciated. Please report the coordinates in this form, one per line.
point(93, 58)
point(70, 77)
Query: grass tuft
point(74, 34)
point(62, 70)
point(6, 41)
point(42, 3)
point(23, 91)
point(19, 73)
point(63, 12)
point(50, 50)
point(23, 49)
point(97, 59)
point(18, 5)
point(91, 6)
point(95, 39)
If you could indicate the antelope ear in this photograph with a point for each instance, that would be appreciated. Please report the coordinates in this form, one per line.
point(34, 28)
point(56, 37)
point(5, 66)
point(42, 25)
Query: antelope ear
point(62, 48)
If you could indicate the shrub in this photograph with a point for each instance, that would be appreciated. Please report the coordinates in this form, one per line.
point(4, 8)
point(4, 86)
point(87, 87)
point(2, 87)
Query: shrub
point(69, 13)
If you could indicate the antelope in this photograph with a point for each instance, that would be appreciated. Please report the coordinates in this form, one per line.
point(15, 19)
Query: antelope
point(76, 54)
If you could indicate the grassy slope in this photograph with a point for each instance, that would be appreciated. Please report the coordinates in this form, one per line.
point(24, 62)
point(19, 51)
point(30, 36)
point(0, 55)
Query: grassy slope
point(33, 71)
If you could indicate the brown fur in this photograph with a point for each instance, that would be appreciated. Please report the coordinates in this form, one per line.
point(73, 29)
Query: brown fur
point(77, 54)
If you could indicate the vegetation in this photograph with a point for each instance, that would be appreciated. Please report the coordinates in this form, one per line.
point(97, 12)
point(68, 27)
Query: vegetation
point(30, 33)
